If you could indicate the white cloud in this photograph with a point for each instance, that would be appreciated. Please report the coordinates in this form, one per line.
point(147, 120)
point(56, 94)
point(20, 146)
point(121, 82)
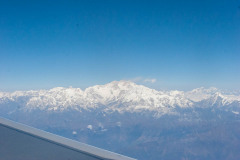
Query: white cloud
point(150, 80)
point(119, 124)
point(100, 125)
point(136, 79)
point(90, 127)
point(144, 80)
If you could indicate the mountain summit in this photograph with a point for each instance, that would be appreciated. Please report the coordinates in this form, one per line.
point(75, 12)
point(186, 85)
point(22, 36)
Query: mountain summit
point(135, 120)
point(120, 96)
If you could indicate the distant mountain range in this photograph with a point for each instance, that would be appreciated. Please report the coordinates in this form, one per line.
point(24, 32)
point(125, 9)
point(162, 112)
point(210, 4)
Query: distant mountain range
point(121, 96)
point(135, 120)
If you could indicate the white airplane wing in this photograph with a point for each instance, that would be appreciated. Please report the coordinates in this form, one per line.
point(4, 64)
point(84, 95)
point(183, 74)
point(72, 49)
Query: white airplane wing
point(21, 142)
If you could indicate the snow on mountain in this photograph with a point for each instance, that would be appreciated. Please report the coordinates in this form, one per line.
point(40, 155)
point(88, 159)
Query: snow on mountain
point(212, 95)
point(118, 96)
point(200, 94)
point(129, 117)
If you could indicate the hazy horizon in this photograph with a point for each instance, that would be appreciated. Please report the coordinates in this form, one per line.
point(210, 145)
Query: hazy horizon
point(145, 84)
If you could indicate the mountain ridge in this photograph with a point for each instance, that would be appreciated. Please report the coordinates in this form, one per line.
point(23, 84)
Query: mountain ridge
point(135, 120)
point(121, 96)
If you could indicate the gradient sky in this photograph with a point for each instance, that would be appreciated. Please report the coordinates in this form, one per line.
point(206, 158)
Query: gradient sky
point(182, 44)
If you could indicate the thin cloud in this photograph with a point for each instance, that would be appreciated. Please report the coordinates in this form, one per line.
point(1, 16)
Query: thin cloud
point(136, 79)
point(143, 80)
point(150, 80)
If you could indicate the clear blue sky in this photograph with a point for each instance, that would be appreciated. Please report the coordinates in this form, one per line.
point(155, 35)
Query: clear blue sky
point(182, 44)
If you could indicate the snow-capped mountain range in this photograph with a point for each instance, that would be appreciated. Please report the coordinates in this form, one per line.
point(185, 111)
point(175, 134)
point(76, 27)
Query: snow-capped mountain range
point(121, 96)
point(135, 120)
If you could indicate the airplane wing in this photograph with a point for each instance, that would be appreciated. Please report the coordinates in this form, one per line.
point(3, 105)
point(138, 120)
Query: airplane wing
point(21, 142)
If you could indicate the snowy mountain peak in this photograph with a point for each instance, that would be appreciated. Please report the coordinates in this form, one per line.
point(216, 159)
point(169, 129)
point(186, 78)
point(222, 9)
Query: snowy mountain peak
point(118, 96)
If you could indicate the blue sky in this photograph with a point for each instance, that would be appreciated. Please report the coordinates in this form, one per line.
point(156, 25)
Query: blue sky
point(165, 44)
